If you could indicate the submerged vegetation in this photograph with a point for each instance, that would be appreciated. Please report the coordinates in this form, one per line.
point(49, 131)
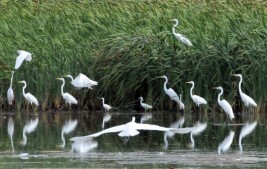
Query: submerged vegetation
point(125, 45)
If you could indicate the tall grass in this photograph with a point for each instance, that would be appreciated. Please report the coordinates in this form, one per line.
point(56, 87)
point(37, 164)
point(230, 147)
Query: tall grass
point(125, 45)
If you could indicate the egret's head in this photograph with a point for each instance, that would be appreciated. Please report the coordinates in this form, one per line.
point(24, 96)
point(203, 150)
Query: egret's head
point(23, 81)
point(141, 98)
point(102, 98)
point(174, 20)
point(190, 82)
point(12, 72)
point(59, 78)
point(69, 76)
point(133, 119)
point(219, 87)
point(163, 76)
point(238, 75)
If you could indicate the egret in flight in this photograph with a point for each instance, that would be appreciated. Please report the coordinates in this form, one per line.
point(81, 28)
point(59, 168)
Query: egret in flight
point(246, 130)
point(10, 130)
point(28, 96)
point(23, 55)
point(68, 127)
point(171, 93)
point(179, 36)
point(29, 128)
point(248, 101)
point(106, 106)
point(82, 81)
point(144, 105)
point(225, 105)
point(197, 99)
point(66, 96)
point(225, 145)
point(10, 93)
point(130, 129)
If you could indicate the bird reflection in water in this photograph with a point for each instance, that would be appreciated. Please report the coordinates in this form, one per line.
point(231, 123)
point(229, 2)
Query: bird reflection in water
point(29, 128)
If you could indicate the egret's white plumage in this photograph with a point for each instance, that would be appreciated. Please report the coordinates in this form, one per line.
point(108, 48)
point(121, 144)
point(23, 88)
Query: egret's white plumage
point(181, 104)
point(106, 119)
point(66, 96)
point(197, 99)
point(246, 130)
point(82, 81)
point(224, 146)
point(10, 130)
point(145, 117)
point(197, 129)
point(129, 129)
point(29, 128)
point(106, 106)
point(225, 105)
point(179, 36)
point(68, 127)
point(248, 101)
point(28, 96)
point(23, 55)
point(84, 147)
point(144, 105)
point(10, 93)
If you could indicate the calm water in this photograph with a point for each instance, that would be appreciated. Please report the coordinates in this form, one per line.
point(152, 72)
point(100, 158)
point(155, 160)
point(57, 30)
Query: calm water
point(146, 150)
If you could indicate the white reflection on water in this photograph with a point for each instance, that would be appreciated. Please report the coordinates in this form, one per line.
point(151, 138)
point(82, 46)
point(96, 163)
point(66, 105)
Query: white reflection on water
point(198, 128)
point(29, 128)
point(10, 130)
point(225, 145)
point(84, 147)
point(246, 130)
point(68, 127)
point(106, 118)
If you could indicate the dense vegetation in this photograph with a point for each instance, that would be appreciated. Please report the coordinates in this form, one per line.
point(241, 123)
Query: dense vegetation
point(125, 45)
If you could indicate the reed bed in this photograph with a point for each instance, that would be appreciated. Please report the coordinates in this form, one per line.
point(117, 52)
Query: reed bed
point(125, 45)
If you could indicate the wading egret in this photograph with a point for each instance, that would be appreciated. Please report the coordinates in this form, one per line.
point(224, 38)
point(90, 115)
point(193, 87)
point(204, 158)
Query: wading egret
point(144, 105)
point(68, 127)
point(82, 81)
point(129, 129)
point(245, 98)
point(10, 130)
point(106, 106)
point(181, 104)
point(28, 96)
point(84, 147)
point(225, 145)
point(197, 99)
point(66, 96)
point(246, 130)
point(171, 93)
point(197, 129)
point(29, 128)
point(23, 55)
point(106, 119)
point(179, 36)
point(10, 93)
point(225, 105)
point(145, 117)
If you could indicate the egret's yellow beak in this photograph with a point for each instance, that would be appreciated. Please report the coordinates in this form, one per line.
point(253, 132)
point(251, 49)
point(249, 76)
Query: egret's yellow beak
point(58, 78)
point(20, 81)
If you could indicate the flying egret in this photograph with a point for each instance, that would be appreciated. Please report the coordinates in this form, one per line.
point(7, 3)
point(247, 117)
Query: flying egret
point(106, 106)
point(106, 118)
point(29, 128)
point(145, 117)
point(197, 129)
point(245, 98)
point(84, 147)
point(171, 93)
point(28, 96)
point(246, 130)
point(225, 105)
point(10, 130)
point(10, 93)
point(179, 36)
point(68, 127)
point(197, 99)
point(130, 129)
point(23, 55)
point(82, 81)
point(225, 145)
point(66, 96)
point(144, 105)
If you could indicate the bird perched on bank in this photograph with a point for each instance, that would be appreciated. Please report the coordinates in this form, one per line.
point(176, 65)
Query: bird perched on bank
point(10, 93)
point(144, 105)
point(179, 36)
point(66, 96)
point(197, 99)
point(23, 55)
point(28, 96)
point(82, 81)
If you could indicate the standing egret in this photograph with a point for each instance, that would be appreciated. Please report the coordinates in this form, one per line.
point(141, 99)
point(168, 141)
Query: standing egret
point(28, 96)
point(171, 93)
point(82, 81)
point(224, 146)
point(29, 128)
point(68, 127)
point(179, 36)
point(181, 104)
point(197, 99)
point(197, 129)
point(84, 147)
point(246, 130)
point(106, 118)
point(129, 129)
point(245, 98)
point(225, 105)
point(23, 55)
point(66, 96)
point(106, 106)
point(10, 130)
point(144, 105)
point(10, 93)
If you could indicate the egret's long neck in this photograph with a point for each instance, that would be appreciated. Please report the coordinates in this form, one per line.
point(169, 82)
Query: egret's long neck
point(165, 84)
point(24, 137)
point(103, 100)
point(63, 139)
point(141, 100)
point(191, 90)
point(71, 77)
point(192, 139)
point(11, 80)
point(174, 26)
point(239, 85)
point(62, 86)
point(23, 89)
point(219, 95)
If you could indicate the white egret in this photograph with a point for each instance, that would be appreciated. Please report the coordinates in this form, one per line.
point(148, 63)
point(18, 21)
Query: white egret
point(225, 105)
point(181, 104)
point(171, 93)
point(68, 127)
point(144, 105)
point(28, 96)
point(66, 96)
point(106, 119)
point(29, 128)
point(106, 106)
point(246, 130)
point(84, 147)
point(197, 129)
point(248, 101)
point(179, 36)
point(145, 117)
point(10, 130)
point(10, 93)
point(225, 145)
point(82, 81)
point(23, 55)
point(197, 99)
point(130, 129)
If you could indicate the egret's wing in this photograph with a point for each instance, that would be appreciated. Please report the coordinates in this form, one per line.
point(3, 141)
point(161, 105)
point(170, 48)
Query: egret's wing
point(200, 100)
point(139, 126)
point(183, 130)
point(227, 108)
point(248, 99)
point(23, 55)
point(69, 126)
point(71, 98)
point(173, 95)
point(31, 126)
point(31, 98)
point(83, 81)
point(10, 126)
point(10, 96)
point(87, 81)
